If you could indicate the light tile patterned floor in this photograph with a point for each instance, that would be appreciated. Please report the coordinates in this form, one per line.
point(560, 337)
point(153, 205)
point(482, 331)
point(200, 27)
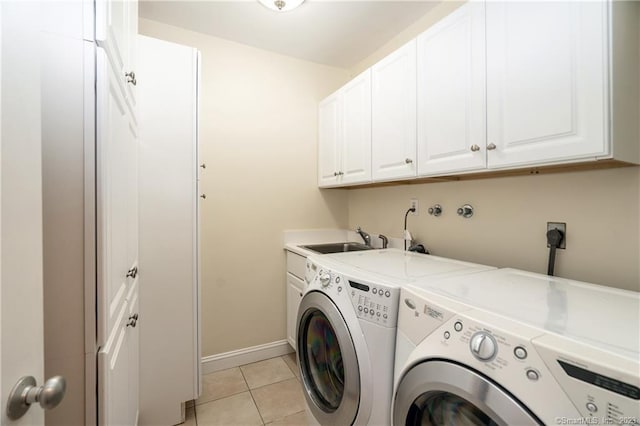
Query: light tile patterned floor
point(263, 393)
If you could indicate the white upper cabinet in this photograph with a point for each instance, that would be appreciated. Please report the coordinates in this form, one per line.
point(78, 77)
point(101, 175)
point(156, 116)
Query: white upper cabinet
point(451, 93)
point(356, 130)
point(344, 145)
point(546, 82)
point(329, 140)
point(394, 115)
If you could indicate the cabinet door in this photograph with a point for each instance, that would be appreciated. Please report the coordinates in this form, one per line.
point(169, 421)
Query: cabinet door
point(329, 140)
point(116, 32)
point(546, 81)
point(294, 295)
point(117, 249)
point(394, 115)
point(451, 93)
point(356, 130)
point(114, 139)
point(133, 353)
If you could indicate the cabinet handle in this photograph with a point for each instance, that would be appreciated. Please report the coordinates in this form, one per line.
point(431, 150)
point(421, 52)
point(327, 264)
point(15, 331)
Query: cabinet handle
point(203, 165)
point(335, 173)
point(340, 173)
point(131, 77)
point(408, 160)
point(491, 146)
point(203, 196)
point(475, 148)
point(133, 272)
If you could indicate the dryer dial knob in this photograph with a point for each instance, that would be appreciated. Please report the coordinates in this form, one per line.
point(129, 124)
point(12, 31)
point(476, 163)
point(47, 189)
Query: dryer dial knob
point(325, 279)
point(483, 346)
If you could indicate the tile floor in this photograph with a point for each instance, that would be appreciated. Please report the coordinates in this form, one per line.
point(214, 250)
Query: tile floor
point(263, 393)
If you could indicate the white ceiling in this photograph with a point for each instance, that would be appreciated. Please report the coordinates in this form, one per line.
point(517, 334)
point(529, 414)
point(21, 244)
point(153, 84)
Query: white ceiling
point(336, 33)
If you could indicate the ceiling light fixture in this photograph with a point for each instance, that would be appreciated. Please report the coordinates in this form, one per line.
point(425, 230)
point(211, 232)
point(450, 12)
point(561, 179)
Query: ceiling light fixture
point(281, 5)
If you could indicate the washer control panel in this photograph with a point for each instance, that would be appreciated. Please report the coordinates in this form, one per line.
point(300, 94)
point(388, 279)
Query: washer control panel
point(374, 302)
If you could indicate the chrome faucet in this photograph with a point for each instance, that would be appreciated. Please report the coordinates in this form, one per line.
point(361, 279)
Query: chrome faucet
point(366, 237)
point(385, 241)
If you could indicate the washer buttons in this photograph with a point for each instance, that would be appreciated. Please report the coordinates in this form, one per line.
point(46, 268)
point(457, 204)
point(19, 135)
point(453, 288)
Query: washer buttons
point(375, 291)
point(447, 334)
point(378, 314)
point(457, 326)
point(387, 293)
point(371, 311)
point(384, 316)
point(337, 280)
point(592, 407)
point(533, 375)
point(520, 352)
point(360, 307)
point(366, 310)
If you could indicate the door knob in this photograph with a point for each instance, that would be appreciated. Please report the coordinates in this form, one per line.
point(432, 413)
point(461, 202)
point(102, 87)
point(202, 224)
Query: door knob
point(203, 165)
point(491, 146)
point(133, 321)
point(203, 196)
point(408, 160)
point(25, 393)
point(475, 148)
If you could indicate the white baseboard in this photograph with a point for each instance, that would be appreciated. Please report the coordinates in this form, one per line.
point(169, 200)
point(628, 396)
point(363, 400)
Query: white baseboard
point(244, 356)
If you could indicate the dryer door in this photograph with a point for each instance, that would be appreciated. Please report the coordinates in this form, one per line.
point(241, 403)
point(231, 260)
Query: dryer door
point(328, 361)
point(441, 392)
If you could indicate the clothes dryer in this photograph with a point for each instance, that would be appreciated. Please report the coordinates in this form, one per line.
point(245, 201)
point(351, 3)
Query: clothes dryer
point(510, 347)
point(346, 329)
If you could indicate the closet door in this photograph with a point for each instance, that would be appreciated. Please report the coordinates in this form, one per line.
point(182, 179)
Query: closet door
point(117, 217)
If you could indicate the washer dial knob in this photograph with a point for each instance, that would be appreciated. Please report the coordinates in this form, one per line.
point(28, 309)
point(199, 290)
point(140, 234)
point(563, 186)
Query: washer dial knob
point(483, 346)
point(325, 279)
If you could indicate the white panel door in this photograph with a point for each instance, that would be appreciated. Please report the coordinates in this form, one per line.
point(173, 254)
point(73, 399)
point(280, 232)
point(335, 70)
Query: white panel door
point(112, 30)
point(21, 334)
point(356, 130)
point(329, 140)
point(451, 93)
point(394, 115)
point(117, 248)
point(546, 81)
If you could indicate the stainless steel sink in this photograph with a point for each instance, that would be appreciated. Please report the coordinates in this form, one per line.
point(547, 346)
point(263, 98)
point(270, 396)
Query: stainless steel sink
point(336, 247)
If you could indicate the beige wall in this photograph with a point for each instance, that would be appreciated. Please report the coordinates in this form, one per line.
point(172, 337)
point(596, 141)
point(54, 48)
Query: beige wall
point(258, 139)
point(509, 223)
point(601, 209)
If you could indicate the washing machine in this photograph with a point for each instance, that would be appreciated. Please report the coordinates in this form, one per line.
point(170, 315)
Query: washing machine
point(510, 347)
point(346, 330)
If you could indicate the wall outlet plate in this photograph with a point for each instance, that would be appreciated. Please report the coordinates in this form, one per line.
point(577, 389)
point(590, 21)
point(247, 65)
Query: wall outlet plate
point(562, 227)
point(414, 203)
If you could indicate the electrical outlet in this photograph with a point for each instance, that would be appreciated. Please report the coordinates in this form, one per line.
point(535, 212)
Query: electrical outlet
point(413, 203)
point(562, 227)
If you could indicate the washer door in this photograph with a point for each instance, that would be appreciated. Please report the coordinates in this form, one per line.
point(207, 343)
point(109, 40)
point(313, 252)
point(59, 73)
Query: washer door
point(328, 361)
point(445, 393)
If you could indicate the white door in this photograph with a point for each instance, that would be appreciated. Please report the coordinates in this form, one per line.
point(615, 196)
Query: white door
point(21, 334)
point(546, 81)
point(356, 130)
point(394, 115)
point(451, 93)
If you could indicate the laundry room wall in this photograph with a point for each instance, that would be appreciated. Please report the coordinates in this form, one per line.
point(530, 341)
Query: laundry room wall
point(600, 207)
point(258, 138)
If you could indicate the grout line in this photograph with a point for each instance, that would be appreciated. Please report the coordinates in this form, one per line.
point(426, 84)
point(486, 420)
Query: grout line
point(251, 394)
